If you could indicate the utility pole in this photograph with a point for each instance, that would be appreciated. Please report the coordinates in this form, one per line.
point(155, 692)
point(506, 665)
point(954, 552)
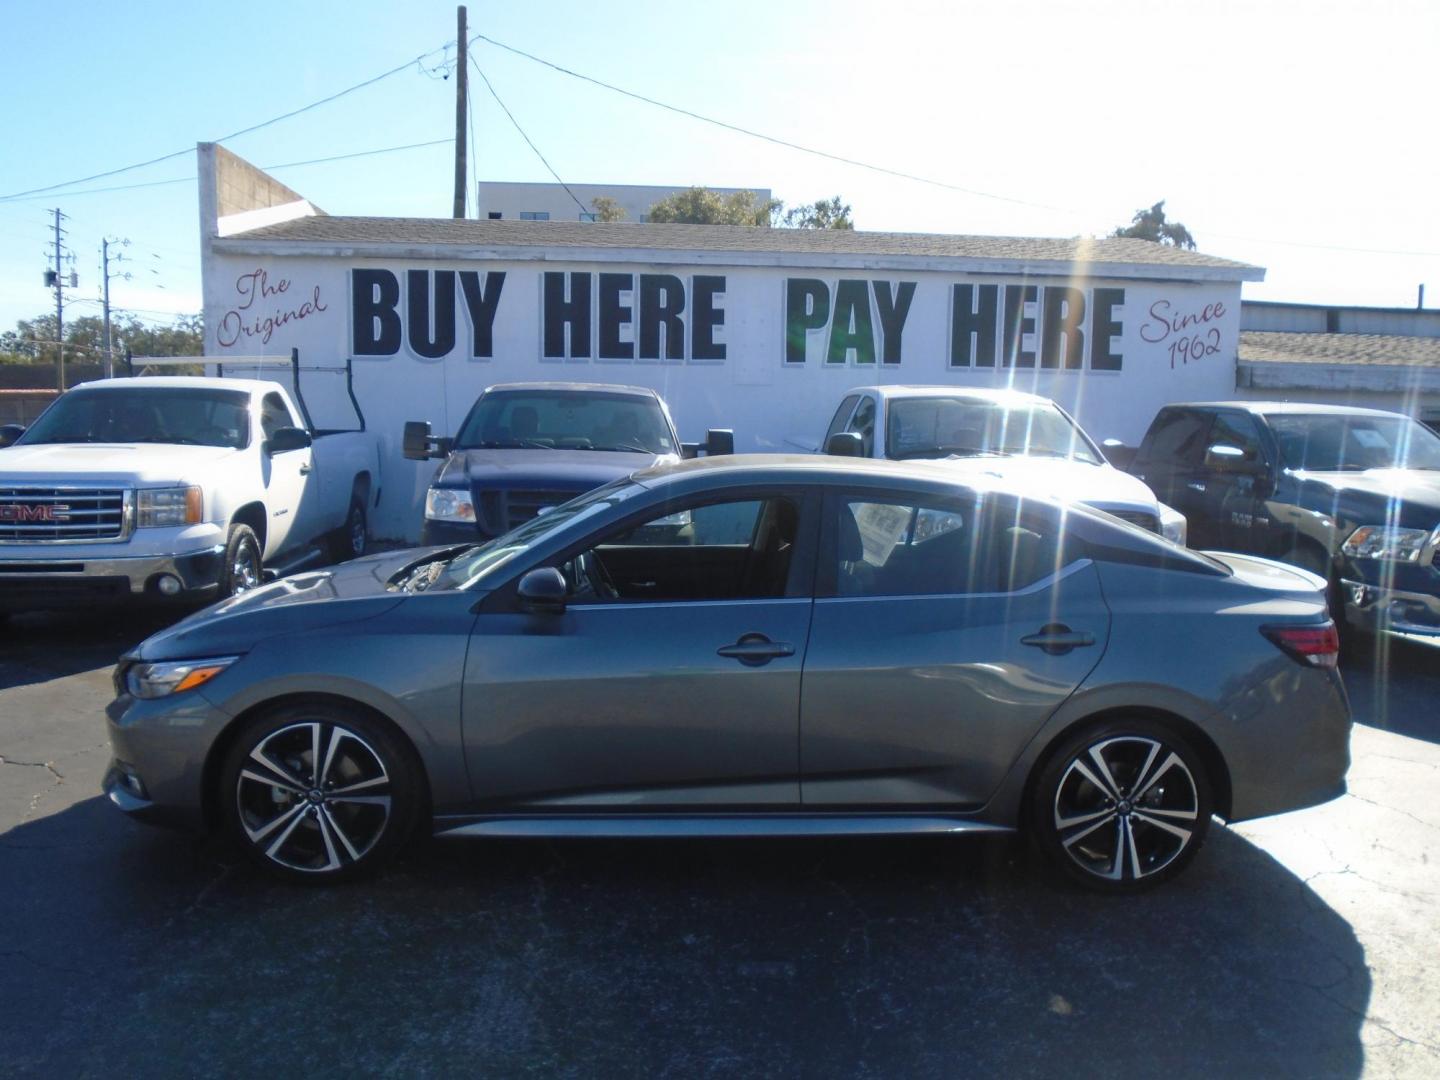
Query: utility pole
point(106, 275)
point(56, 278)
point(461, 86)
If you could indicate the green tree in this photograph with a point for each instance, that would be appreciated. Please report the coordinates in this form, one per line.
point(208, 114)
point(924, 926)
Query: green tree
point(607, 209)
point(701, 206)
point(33, 340)
point(1151, 225)
point(821, 214)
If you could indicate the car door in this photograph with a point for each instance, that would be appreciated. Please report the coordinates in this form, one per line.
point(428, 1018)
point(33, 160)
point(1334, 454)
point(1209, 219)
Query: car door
point(1236, 485)
point(671, 679)
point(946, 631)
point(1171, 460)
point(286, 478)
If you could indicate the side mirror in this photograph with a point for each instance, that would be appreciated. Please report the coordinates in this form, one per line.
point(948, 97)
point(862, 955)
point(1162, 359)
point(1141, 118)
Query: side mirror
point(286, 439)
point(719, 441)
point(418, 444)
point(9, 433)
point(845, 444)
point(1230, 459)
point(542, 591)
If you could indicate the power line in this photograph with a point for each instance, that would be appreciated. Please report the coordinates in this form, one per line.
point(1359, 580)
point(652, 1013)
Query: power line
point(761, 135)
point(521, 130)
point(416, 61)
point(268, 168)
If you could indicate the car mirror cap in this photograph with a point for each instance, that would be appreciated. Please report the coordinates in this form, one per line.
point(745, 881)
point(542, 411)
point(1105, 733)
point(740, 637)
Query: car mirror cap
point(542, 591)
point(845, 444)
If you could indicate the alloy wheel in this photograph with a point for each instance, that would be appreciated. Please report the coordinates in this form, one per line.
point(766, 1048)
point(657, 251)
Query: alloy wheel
point(244, 570)
point(314, 797)
point(1126, 807)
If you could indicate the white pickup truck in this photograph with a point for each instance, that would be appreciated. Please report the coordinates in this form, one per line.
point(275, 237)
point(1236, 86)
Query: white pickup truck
point(175, 488)
point(1006, 433)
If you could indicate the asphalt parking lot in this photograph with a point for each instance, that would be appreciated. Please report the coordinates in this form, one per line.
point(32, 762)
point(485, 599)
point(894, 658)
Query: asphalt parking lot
point(1303, 945)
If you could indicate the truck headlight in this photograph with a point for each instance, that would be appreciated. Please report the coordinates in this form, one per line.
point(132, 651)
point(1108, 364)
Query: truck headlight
point(1386, 542)
point(449, 504)
point(155, 507)
point(173, 676)
point(1173, 526)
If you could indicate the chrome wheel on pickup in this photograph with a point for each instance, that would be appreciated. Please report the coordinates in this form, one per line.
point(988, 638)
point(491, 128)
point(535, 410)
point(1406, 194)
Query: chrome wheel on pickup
point(243, 568)
point(312, 792)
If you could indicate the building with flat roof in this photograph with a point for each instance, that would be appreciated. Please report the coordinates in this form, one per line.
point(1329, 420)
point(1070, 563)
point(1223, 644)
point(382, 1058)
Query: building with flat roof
point(499, 200)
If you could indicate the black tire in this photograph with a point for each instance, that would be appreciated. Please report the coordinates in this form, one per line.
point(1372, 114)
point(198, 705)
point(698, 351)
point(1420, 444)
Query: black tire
point(1155, 835)
point(352, 539)
point(243, 569)
point(345, 823)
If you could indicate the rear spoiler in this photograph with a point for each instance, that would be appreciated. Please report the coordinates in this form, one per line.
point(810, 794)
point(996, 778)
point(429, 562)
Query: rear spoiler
point(143, 363)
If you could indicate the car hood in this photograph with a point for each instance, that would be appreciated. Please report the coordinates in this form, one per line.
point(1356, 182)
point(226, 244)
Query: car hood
point(1410, 487)
point(108, 463)
point(1101, 486)
point(347, 593)
point(559, 470)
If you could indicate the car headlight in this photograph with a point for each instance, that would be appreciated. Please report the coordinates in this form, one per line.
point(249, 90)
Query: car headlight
point(1173, 526)
point(173, 676)
point(155, 507)
point(449, 504)
point(1386, 542)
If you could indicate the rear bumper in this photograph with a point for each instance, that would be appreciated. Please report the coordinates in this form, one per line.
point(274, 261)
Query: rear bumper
point(32, 584)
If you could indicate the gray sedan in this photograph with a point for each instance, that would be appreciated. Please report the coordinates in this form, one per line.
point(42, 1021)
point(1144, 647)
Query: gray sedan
point(749, 646)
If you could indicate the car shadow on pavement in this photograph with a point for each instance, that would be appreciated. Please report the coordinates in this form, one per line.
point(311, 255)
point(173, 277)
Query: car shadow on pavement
point(1394, 686)
point(38, 647)
point(129, 951)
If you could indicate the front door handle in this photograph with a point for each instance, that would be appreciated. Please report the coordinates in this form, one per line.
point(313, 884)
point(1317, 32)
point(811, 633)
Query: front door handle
point(755, 649)
point(1056, 639)
point(1196, 485)
point(306, 470)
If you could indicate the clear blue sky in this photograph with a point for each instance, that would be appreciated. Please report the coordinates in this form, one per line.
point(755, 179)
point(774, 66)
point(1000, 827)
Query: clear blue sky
point(1279, 133)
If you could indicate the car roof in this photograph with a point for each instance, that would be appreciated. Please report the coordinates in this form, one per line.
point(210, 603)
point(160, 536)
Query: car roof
point(578, 387)
point(1287, 408)
point(999, 396)
point(193, 382)
point(815, 468)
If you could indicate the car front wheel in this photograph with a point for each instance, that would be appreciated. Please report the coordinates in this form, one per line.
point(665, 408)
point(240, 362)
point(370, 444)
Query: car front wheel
point(1123, 806)
point(314, 792)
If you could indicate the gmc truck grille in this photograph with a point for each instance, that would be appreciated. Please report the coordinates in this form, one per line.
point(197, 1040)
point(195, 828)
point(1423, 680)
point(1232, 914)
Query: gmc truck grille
point(1135, 517)
point(501, 511)
point(52, 515)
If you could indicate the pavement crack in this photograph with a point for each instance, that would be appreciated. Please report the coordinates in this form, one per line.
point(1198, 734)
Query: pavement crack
point(1393, 810)
point(49, 766)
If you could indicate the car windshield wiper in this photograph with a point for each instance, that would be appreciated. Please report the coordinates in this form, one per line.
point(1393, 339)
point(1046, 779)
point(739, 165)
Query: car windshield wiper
point(509, 444)
point(625, 448)
point(179, 440)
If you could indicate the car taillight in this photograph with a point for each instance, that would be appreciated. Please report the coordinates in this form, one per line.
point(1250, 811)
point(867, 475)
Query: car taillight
point(1314, 645)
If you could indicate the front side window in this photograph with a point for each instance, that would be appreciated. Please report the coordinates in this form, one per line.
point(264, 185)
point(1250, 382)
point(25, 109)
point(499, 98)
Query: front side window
point(736, 550)
point(1339, 442)
point(273, 416)
point(155, 414)
point(1237, 430)
point(1177, 438)
point(863, 424)
point(938, 427)
point(903, 548)
point(567, 420)
point(841, 417)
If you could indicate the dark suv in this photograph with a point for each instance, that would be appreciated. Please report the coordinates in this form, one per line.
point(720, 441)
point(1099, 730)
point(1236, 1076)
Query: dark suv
point(1350, 494)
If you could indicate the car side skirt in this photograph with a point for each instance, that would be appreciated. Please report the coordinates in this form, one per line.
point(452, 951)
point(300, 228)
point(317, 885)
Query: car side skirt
point(701, 825)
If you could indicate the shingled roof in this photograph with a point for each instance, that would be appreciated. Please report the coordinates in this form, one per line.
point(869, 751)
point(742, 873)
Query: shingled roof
point(1272, 347)
point(717, 241)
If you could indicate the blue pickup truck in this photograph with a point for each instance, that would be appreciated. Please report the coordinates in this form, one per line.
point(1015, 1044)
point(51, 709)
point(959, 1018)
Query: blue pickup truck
point(526, 447)
point(1350, 494)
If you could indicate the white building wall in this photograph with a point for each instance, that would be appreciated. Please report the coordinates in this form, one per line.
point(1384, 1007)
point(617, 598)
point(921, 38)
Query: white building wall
point(267, 305)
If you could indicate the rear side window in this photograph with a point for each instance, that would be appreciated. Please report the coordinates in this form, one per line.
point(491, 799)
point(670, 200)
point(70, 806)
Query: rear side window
point(1176, 438)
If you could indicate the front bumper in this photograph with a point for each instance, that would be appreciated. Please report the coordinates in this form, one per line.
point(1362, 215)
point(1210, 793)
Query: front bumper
point(36, 584)
point(1381, 610)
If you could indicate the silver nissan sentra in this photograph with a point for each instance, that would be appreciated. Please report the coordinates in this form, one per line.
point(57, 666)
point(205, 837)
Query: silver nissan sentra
point(749, 646)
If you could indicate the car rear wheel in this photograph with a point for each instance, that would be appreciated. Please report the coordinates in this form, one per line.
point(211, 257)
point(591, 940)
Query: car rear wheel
point(315, 792)
point(1122, 806)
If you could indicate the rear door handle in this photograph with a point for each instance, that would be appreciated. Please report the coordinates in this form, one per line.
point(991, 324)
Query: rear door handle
point(755, 649)
point(1196, 485)
point(1057, 639)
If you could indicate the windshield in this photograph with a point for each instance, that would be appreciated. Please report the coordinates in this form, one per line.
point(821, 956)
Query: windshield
point(936, 427)
point(1353, 443)
point(474, 563)
point(567, 420)
point(188, 415)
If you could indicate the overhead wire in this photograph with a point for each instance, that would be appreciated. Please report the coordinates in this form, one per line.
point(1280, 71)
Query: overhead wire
point(528, 141)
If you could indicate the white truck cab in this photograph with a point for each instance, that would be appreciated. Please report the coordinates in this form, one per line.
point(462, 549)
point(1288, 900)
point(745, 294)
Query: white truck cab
point(175, 487)
point(1003, 433)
